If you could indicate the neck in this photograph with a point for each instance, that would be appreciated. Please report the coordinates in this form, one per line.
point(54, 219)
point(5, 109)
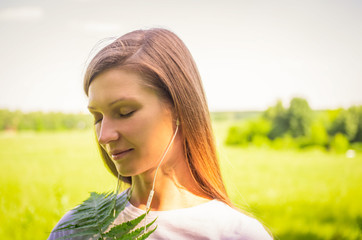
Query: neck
point(174, 188)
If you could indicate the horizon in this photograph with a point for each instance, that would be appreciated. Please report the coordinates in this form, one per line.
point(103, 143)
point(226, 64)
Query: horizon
point(211, 111)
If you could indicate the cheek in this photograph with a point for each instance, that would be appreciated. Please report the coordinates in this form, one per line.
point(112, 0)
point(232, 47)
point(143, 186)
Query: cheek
point(142, 131)
point(153, 135)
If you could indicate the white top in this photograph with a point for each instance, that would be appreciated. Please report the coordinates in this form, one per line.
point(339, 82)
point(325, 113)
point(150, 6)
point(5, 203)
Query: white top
point(211, 220)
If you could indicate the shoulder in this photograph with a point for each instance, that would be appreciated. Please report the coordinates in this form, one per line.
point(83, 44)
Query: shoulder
point(211, 220)
point(234, 224)
point(57, 234)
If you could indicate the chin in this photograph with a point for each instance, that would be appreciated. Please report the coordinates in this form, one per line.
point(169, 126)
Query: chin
point(126, 172)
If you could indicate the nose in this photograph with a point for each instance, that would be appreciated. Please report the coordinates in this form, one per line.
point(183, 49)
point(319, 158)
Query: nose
point(107, 132)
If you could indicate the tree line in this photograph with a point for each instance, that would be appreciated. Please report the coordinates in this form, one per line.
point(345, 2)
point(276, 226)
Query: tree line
point(299, 126)
point(39, 121)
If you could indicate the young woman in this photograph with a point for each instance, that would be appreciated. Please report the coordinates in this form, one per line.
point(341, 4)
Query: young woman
point(154, 133)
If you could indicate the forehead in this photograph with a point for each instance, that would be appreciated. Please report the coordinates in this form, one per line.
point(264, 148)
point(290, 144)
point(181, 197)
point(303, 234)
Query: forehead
point(117, 83)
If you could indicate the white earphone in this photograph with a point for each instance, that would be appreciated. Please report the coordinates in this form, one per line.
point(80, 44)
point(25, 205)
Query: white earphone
point(150, 196)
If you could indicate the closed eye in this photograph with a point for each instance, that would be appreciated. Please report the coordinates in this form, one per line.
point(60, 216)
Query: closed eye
point(127, 114)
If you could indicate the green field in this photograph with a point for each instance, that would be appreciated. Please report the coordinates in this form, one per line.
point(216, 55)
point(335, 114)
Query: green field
point(297, 195)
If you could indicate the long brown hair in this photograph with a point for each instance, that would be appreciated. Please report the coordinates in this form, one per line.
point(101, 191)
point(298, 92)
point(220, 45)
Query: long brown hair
point(167, 66)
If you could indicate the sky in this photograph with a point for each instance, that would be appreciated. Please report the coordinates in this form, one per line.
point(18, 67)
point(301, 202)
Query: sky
point(249, 53)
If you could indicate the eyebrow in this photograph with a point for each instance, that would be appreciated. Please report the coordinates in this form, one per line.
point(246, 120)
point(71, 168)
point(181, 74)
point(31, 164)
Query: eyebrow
point(114, 102)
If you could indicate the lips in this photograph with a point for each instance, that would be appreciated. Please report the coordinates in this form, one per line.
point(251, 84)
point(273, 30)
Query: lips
point(119, 154)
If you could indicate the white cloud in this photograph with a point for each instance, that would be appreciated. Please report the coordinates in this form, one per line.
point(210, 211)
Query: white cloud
point(21, 14)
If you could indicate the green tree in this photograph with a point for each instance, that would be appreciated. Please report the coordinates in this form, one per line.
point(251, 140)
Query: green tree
point(318, 134)
point(357, 112)
point(340, 143)
point(255, 131)
point(277, 115)
point(5, 119)
point(299, 117)
point(345, 123)
point(236, 136)
point(39, 121)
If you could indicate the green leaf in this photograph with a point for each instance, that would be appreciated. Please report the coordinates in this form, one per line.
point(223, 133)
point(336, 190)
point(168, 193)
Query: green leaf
point(93, 218)
point(94, 215)
point(125, 228)
point(147, 234)
point(137, 234)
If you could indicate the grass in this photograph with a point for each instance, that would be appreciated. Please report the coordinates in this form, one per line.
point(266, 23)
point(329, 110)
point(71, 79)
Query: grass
point(297, 195)
point(44, 175)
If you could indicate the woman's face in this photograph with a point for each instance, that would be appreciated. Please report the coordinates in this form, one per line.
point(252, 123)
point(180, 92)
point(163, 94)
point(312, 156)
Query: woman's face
point(132, 124)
